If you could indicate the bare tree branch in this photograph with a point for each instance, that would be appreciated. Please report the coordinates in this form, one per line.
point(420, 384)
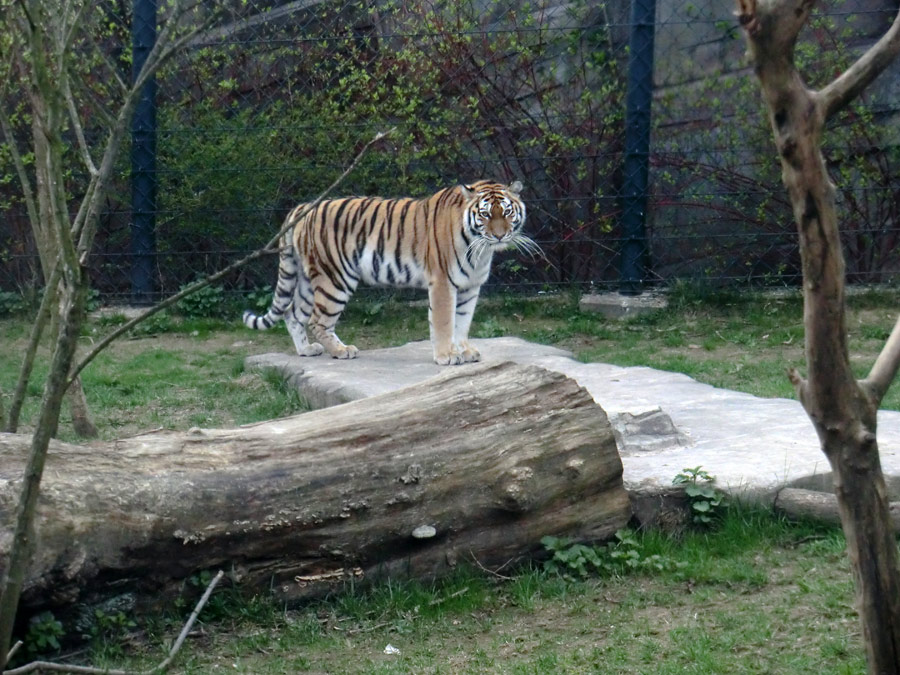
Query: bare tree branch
point(18, 162)
point(886, 366)
point(226, 31)
point(166, 44)
point(37, 329)
point(265, 250)
point(70, 33)
point(15, 648)
point(27, 190)
point(841, 91)
point(75, 119)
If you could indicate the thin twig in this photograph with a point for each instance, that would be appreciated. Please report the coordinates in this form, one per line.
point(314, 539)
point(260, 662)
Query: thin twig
point(492, 572)
point(12, 652)
point(19, 164)
point(37, 330)
point(196, 286)
point(190, 622)
point(90, 670)
point(438, 601)
point(79, 130)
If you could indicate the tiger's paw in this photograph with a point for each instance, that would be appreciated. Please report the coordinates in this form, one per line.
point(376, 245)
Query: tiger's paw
point(312, 349)
point(469, 353)
point(346, 352)
point(448, 358)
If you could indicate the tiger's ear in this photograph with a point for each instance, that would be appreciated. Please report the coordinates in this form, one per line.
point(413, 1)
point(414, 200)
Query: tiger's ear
point(468, 192)
point(515, 187)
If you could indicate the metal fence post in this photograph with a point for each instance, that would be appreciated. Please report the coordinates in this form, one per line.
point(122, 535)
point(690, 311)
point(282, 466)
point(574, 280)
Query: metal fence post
point(143, 159)
point(633, 271)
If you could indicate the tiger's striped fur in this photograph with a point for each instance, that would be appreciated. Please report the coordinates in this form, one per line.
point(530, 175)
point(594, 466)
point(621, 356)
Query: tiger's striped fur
point(444, 243)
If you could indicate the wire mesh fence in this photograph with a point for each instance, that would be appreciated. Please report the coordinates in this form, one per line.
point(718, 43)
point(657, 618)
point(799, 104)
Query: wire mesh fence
point(575, 99)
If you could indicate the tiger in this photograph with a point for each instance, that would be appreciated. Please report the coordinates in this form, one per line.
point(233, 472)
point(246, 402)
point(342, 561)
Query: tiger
point(443, 243)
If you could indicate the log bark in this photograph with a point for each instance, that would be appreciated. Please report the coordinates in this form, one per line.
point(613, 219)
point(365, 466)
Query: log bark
point(820, 506)
point(472, 466)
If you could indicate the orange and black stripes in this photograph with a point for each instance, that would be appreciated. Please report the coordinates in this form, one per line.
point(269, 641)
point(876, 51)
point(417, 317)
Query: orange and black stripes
point(444, 243)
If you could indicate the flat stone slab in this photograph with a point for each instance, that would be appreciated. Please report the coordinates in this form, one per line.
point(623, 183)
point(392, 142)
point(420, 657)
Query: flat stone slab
point(324, 382)
point(617, 306)
point(664, 422)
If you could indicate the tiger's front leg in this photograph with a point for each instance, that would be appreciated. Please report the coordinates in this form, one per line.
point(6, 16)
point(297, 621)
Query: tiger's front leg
point(465, 310)
point(441, 311)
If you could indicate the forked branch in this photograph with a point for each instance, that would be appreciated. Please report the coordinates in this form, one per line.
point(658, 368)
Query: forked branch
point(847, 86)
point(886, 366)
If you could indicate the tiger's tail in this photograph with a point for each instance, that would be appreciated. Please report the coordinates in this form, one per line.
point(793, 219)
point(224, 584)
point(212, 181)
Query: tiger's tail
point(284, 291)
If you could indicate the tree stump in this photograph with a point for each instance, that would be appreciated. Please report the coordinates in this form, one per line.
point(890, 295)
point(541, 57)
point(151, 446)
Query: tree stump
point(473, 466)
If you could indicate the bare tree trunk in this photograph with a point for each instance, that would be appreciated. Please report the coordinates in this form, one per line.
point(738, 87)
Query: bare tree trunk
point(82, 422)
point(473, 466)
point(20, 544)
point(37, 329)
point(842, 410)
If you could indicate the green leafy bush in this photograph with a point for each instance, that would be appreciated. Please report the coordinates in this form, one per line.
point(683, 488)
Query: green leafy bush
point(44, 633)
point(12, 303)
point(205, 303)
point(624, 554)
point(705, 500)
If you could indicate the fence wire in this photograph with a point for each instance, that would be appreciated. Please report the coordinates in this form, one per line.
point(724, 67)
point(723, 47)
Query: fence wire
point(267, 107)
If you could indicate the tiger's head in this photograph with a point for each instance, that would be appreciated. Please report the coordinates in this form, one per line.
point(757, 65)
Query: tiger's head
point(493, 217)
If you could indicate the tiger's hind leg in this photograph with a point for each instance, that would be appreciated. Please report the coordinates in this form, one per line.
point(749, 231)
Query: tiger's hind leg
point(328, 303)
point(297, 317)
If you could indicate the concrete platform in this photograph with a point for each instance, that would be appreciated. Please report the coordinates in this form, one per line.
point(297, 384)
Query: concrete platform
point(663, 421)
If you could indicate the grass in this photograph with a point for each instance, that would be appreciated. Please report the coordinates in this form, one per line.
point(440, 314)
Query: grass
point(756, 595)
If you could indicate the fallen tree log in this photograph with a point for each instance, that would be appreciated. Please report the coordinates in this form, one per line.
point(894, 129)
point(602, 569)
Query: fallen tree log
point(474, 465)
point(821, 506)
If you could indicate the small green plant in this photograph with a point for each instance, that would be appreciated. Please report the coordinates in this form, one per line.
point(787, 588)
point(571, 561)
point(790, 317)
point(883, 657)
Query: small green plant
point(160, 322)
point(44, 632)
point(705, 500)
point(490, 328)
point(259, 299)
point(371, 312)
point(93, 300)
point(203, 304)
point(570, 557)
point(12, 303)
point(625, 554)
point(111, 625)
